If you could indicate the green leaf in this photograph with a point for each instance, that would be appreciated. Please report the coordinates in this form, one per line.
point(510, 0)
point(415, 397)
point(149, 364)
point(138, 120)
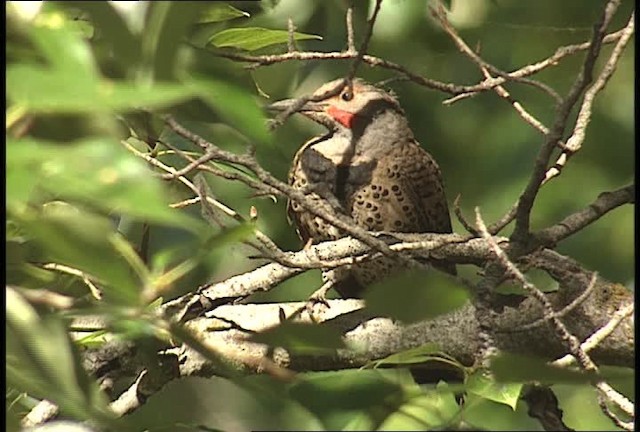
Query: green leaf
point(408, 298)
point(251, 403)
point(84, 241)
point(235, 105)
point(426, 353)
point(166, 26)
point(519, 368)
point(505, 393)
point(254, 38)
point(114, 31)
point(580, 408)
point(413, 355)
point(43, 90)
point(221, 12)
point(96, 171)
point(336, 398)
point(301, 338)
point(42, 360)
point(432, 409)
point(65, 50)
point(484, 414)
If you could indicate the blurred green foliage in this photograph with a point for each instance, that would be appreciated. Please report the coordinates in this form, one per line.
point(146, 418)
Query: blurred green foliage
point(85, 77)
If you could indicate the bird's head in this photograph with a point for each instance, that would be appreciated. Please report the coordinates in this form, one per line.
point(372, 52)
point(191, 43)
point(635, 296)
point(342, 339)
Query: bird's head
point(345, 107)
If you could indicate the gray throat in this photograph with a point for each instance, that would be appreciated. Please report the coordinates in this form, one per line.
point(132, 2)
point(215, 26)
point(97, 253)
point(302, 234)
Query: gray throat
point(379, 134)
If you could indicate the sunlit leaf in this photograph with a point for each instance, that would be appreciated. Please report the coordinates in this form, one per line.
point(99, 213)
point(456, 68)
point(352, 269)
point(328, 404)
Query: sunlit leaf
point(337, 398)
point(253, 403)
point(422, 354)
point(83, 241)
point(113, 30)
point(66, 51)
point(486, 387)
point(484, 414)
point(42, 90)
point(580, 408)
point(97, 171)
point(42, 360)
point(408, 298)
point(432, 408)
point(254, 38)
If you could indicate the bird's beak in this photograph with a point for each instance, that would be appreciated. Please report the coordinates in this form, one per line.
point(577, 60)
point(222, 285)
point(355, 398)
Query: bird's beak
point(287, 104)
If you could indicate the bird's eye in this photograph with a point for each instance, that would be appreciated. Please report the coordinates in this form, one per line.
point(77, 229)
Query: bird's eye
point(347, 96)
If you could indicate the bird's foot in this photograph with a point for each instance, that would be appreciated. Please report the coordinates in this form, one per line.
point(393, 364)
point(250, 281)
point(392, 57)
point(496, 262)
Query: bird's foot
point(318, 300)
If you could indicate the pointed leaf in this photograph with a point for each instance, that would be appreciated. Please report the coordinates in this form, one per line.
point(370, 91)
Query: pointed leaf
point(301, 338)
point(580, 408)
point(338, 399)
point(486, 387)
point(42, 360)
point(484, 414)
point(431, 409)
point(84, 241)
point(408, 298)
point(254, 38)
point(519, 368)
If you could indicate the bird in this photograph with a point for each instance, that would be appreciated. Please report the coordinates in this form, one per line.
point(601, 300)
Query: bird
point(367, 166)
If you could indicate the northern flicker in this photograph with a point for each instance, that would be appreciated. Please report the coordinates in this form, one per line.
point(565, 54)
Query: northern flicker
point(369, 167)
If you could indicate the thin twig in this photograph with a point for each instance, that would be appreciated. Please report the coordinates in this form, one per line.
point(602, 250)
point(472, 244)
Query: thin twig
point(458, 212)
point(267, 243)
point(347, 81)
point(617, 398)
point(276, 187)
point(626, 425)
point(571, 341)
point(528, 196)
point(452, 89)
point(365, 43)
point(93, 289)
point(575, 222)
point(505, 220)
point(291, 40)
point(351, 46)
point(601, 334)
point(439, 14)
point(187, 169)
point(574, 143)
point(565, 310)
point(185, 203)
point(561, 53)
point(549, 314)
point(46, 297)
